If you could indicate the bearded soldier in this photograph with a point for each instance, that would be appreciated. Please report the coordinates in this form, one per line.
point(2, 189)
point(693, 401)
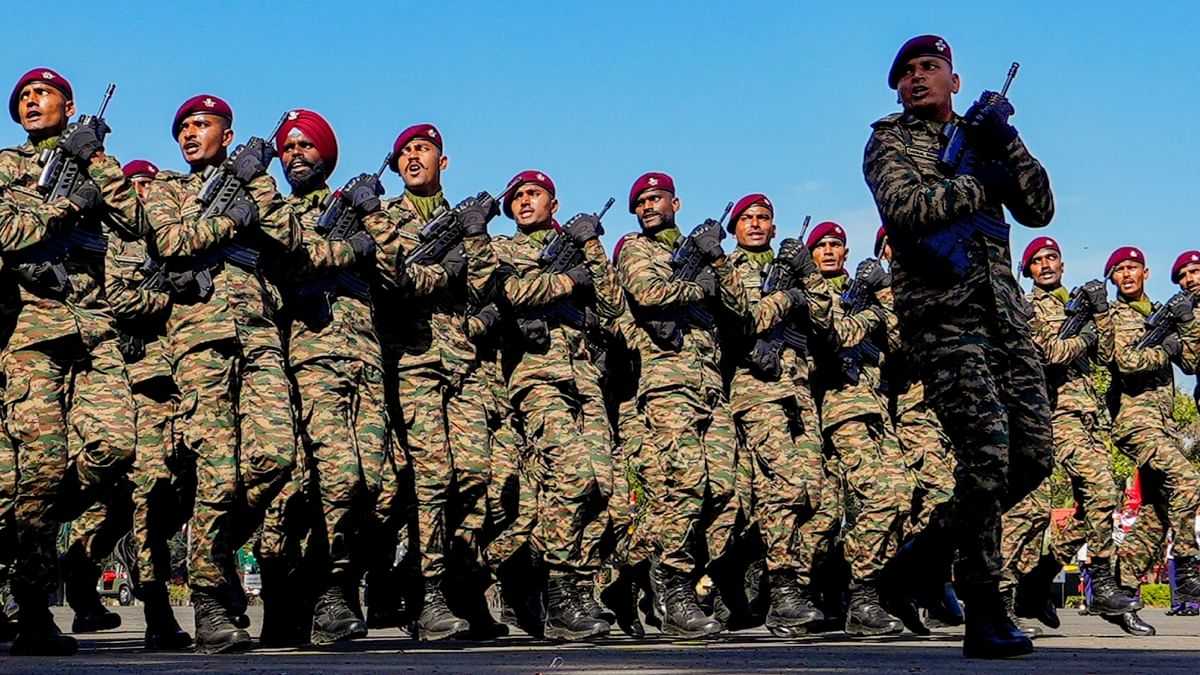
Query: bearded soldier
point(62, 366)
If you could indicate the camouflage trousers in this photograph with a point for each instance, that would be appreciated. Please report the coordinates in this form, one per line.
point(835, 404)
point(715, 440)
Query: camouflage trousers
point(1023, 532)
point(927, 455)
point(571, 438)
point(44, 384)
point(630, 513)
point(447, 440)
point(781, 443)
point(8, 492)
point(983, 378)
point(690, 463)
point(1170, 497)
point(347, 446)
point(512, 498)
point(235, 424)
point(866, 458)
point(1082, 454)
point(158, 497)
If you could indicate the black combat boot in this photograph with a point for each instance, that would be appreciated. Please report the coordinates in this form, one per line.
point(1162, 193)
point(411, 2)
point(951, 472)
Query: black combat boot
point(990, 634)
point(468, 599)
point(587, 597)
point(1108, 598)
point(1131, 623)
point(1008, 599)
point(791, 607)
point(163, 633)
point(1033, 593)
point(287, 617)
point(37, 634)
point(730, 602)
point(333, 619)
point(8, 627)
point(566, 617)
point(865, 616)
point(621, 596)
point(436, 621)
point(521, 580)
point(1187, 580)
point(215, 633)
point(80, 575)
point(681, 613)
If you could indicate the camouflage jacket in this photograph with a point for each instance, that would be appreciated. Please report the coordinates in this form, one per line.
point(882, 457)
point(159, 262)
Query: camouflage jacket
point(747, 388)
point(243, 304)
point(1068, 362)
point(421, 311)
point(915, 199)
point(139, 312)
point(84, 311)
point(841, 399)
point(906, 392)
point(351, 332)
point(530, 290)
point(1143, 382)
point(644, 268)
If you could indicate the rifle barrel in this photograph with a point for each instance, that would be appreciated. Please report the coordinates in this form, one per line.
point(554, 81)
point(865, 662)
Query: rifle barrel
point(1012, 73)
point(607, 205)
point(108, 94)
point(804, 228)
point(387, 161)
point(725, 214)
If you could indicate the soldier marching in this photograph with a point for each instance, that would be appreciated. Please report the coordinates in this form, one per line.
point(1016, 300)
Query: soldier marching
point(701, 436)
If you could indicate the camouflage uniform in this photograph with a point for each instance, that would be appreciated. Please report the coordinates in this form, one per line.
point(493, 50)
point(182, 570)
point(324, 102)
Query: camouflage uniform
point(235, 418)
point(922, 440)
point(1144, 429)
point(779, 427)
point(866, 455)
point(428, 355)
point(62, 356)
point(556, 391)
point(690, 442)
point(337, 366)
point(969, 336)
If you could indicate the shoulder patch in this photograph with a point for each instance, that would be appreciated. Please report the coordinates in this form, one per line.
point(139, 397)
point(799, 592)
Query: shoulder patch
point(887, 121)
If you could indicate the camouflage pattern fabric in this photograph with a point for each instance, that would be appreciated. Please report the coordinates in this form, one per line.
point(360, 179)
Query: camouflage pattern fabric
point(1144, 429)
point(235, 419)
point(969, 336)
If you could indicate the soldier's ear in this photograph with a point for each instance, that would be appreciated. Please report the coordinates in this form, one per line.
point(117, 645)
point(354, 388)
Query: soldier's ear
point(1146, 274)
point(553, 206)
point(226, 137)
point(954, 83)
point(69, 109)
point(675, 204)
point(443, 162)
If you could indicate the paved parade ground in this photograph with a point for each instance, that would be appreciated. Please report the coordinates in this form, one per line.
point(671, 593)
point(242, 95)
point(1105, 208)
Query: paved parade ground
point(1083, 644)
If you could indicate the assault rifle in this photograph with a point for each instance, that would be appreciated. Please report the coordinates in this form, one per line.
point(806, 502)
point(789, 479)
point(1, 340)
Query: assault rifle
point(687, 263)
point(1079, 315)
point(337, 222)
point(855, 298)
point(766, 356)
point(44, 263)
point(1159, 324)
point(221, 188)
point(444, 231)
point(957, 158)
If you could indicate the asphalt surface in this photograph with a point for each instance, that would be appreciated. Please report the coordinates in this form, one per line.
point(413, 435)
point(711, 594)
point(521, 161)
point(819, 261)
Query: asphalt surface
point(1083, 644)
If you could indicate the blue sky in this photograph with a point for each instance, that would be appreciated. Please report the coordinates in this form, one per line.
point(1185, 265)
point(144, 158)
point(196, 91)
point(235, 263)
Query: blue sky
point(729, 98)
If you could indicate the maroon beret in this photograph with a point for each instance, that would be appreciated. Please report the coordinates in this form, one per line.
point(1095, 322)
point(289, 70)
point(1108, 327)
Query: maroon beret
point(139, 167)
point(823, 230)
point(650, 181)
point(426, 131)
point(1186, 258)
point(1121, 255)
point(880, 236)
point(527, 176)
point(47, 75)
point(922, 45)
point(316, 129)
point(746, 202)
point(1032, 249)
point(201, 104)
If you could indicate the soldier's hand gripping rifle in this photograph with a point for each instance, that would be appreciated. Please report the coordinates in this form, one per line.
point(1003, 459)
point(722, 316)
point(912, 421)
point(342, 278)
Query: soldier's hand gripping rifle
point(338, 221)
point(958, 157)
point(225, 186)
point(859, 294)
point(447, 230)
point(1165, 320)
point(63, 176)
point(766, 356)
point(687, 263)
